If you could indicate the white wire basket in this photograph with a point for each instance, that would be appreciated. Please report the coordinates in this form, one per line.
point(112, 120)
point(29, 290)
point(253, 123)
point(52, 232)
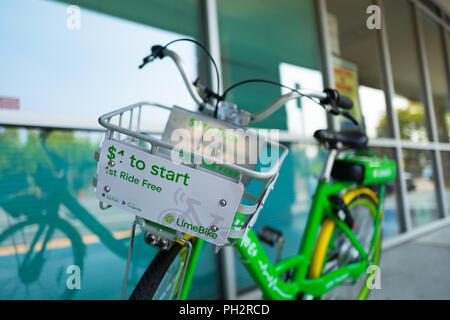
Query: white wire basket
point(195, 192)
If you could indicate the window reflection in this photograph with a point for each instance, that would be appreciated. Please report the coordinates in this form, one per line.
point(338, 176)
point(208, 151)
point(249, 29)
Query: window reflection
point(49, 217)
point(253, 47)
point(390, 224)
point(405, 66)
point(357, 64)
point(67, 78)
point(419, 179)
point(438, 76)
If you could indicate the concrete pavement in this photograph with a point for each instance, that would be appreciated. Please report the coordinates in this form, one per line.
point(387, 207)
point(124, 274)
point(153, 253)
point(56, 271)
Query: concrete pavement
point(419, 269)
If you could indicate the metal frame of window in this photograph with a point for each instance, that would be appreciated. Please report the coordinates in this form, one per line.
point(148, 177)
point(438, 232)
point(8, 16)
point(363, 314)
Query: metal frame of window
point(327, 57)
point(430, 112)
point(227, 280)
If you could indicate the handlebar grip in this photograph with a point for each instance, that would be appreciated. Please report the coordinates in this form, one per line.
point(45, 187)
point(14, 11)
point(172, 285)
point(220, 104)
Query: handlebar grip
point(344, 102)
point(158, 51)
point(335, 99)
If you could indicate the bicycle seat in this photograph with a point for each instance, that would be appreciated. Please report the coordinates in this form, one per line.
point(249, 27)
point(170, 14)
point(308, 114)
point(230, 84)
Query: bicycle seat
point(350, 139)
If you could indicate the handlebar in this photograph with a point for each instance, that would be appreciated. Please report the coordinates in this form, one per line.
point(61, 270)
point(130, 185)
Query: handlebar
point(281, 101)
point(161, 52)
point(330, 99)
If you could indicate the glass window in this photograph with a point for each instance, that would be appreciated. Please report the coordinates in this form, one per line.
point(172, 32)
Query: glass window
point(61, 76)
point(357, 64)
point(390, 225)
point(45, 183)
point(284, 48)
point(438, 76)
point(419, 179)
point(405, 67)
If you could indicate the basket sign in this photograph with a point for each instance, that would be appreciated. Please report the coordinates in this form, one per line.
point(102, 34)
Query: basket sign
point(182, 198)
point(209, 136)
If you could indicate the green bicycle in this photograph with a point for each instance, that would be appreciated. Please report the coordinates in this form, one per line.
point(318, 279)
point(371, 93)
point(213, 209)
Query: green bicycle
point(342, 237)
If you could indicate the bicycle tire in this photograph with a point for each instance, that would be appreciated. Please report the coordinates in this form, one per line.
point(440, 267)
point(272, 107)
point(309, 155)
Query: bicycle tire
point(328, 233)
point(149, 285)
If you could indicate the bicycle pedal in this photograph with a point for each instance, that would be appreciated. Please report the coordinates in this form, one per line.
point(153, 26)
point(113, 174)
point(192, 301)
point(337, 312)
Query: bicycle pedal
point(270, 236)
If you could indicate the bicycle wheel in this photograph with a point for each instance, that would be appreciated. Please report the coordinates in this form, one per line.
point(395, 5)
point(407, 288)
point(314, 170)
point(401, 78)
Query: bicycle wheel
point(163, 277)
point(333, 249)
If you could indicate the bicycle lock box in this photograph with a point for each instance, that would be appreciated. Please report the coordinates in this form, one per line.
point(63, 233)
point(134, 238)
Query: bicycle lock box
point(175, 180)
point(364, 169)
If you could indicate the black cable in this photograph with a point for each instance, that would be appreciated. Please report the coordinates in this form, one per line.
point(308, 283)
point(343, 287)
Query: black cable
point(237, 84)
point(205, 51)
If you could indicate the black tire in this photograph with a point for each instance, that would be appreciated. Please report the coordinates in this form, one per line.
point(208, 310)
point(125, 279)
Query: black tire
point(152, 279)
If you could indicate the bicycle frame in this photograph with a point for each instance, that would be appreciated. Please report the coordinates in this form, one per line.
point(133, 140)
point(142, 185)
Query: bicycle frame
point(268, 276)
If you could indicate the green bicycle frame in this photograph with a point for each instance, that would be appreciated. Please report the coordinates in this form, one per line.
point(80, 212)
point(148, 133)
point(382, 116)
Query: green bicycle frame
point(268, 276)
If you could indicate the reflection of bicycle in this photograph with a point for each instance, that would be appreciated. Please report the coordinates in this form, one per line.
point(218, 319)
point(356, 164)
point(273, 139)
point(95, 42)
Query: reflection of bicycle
point(342, 238)
point(32, 246)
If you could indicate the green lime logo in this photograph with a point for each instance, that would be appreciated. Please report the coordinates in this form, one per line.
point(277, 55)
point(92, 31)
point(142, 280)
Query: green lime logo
point(169, 218)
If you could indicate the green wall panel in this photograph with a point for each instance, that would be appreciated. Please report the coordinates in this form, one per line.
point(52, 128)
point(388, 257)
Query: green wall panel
point(255, 37)
point(181, 16)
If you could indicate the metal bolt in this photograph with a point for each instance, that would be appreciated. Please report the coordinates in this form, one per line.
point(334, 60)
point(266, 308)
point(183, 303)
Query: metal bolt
point(151, 238)
point(107, 189)
point(214, 228)
point(111, 163)
point(223, 202)
point(163, 242)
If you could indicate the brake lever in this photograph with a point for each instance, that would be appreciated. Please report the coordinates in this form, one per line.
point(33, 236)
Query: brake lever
point(157, 52)
point(146, 60)
point(348, 116)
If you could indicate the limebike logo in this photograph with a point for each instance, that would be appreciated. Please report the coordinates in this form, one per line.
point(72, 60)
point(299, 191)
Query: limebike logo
point(169, 218)
point(199, 229)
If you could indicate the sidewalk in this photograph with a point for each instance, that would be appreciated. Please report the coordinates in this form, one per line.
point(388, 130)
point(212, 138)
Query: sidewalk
point(419, 269)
